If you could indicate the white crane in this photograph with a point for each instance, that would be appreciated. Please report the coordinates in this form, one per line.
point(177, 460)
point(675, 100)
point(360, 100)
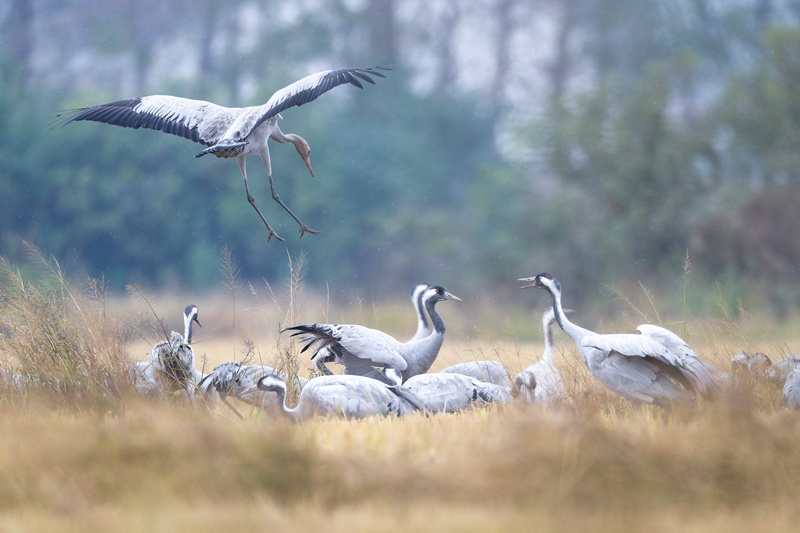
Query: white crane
point(541, 381)
point(791, 389)
point(232, 379)
point(454, 392)
point(229, 132)
point(364, 350)
point(655, 367)
point(323, 356)
point(170, 362)
point(342, 395)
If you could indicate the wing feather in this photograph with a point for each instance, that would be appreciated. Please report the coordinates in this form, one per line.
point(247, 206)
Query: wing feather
point(196, 120)
point(312, 87)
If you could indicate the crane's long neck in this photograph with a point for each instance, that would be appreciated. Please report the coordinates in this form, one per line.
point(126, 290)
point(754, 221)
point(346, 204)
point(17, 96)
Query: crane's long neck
point(576, 333)
point(291, 412)
point(279, 136)
point(422, 319)
point(421, 354)
point(547, 321)
point(187, 329)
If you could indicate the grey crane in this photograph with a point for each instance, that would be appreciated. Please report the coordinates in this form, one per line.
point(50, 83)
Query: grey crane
point(487, 370)
point(791, 389)
point(232, 379)
point(170, 362)
point(323, 356)
point(655, 367)
point(454, 392)
point(361, 349)
point(541, 381)
point(341, 395)
point(229, 132)
point(761, 365)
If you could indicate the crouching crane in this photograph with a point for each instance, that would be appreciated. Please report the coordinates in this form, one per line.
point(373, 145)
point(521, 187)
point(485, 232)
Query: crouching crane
point(347, 396)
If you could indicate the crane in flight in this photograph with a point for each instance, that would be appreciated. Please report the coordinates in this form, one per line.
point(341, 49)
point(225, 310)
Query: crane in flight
point(229, 131)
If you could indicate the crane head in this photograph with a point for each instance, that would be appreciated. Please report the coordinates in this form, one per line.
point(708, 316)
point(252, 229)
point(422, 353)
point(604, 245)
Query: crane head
point(302, 147)
point(438, 293)
point(542, 281)
point(191, 314)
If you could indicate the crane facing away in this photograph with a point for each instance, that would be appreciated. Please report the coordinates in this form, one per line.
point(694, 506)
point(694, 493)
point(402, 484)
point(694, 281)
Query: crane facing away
point(325, 355)
point(363, 351)
point(655, 367)
point(229, 131)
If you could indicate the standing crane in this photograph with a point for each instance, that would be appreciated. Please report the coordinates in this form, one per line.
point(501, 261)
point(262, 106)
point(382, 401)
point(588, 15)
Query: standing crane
point(229, 131)
point(541, 381)
point(363, 351)
point(655, 367)
point(170, 362)
point(323, 356)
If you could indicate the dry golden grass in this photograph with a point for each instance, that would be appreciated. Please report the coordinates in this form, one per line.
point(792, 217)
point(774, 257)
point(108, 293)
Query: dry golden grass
point(80, 453)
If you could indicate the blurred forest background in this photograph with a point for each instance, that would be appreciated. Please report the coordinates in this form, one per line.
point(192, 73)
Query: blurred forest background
point(604, 141)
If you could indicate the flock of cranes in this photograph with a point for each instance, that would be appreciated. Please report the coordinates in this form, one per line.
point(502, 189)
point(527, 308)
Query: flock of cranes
point(383, 376)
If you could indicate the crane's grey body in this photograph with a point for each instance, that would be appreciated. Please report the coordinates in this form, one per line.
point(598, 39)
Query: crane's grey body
point(326, 355)
point(791, 389)
point(231, 379)
point(170, 364)
point(655, 367)
point(229, 132)
point(455, 392)
point(361, 349)
point(343, 395)
point(488, 371)
point(541, 381)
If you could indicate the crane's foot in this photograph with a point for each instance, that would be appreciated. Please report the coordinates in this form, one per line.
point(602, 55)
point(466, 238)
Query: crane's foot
point(305, 229)
point(273, 234)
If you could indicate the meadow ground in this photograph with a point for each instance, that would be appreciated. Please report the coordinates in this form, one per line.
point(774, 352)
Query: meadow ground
point(80, 452)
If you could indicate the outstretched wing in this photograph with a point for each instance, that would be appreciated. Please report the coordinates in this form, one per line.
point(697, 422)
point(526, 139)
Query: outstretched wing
point(310, 88)
point(196, 120)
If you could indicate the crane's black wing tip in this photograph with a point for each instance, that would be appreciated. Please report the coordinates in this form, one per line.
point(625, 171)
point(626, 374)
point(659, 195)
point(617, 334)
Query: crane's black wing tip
point(64, 117)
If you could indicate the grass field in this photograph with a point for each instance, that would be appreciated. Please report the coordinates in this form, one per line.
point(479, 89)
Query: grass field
point(80, 452)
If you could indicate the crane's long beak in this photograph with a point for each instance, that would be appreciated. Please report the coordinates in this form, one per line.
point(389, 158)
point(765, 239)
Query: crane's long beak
point(198, 321)
point(308, 164)
point(529, 285)
point(448, 296)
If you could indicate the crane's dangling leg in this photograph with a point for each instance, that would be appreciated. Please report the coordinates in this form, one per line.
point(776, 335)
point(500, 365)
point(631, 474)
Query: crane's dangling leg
point(240, 160)
point(303, 227)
